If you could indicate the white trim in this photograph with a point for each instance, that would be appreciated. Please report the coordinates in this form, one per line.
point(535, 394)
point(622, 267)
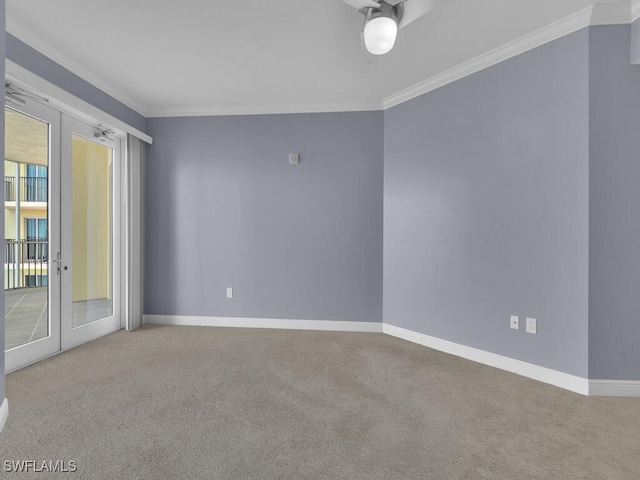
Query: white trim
point(509, 50)
point(150, 111)
point(573, 383)
point(27, 36)
point(613, 13)
point(286, 324)
point(4, 413)
point(635, 10)
point(270, 110)
point(610, 13)
point(601, 14)
point(66, 102)
point(614, 388)
point(553, 377)
point(71, 335)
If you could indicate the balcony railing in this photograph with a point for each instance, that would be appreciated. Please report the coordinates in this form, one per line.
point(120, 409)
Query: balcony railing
point(32, 189)
point(25, 263)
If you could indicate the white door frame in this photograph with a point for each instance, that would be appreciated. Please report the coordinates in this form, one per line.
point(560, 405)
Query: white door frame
point(71, 336)
point(62, 335)
point(59, 100)
point(30, 352)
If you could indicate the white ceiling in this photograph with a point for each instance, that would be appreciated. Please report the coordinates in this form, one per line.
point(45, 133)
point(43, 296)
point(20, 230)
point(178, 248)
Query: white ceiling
point(192, 57)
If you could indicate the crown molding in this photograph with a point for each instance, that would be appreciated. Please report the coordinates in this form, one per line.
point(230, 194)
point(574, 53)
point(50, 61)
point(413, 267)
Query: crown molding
point(97, 81)
point(614, 13)
point(74, 67)
point(635, 10)
point(610, 13)
point(265, 110)
point(66, 102)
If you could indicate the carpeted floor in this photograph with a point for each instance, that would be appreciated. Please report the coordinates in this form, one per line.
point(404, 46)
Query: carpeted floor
point(221, 403)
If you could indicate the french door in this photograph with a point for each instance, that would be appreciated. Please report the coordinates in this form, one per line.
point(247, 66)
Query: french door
point(62, 217)
point(89, 260)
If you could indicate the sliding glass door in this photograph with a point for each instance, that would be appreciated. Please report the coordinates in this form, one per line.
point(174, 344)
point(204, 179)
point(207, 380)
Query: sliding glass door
point(62, 256)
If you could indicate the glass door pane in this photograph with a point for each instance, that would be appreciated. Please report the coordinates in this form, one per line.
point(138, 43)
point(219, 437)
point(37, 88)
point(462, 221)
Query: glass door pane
point(32, 233)
point(90, 233)
point(26, 213)
point(92, 230)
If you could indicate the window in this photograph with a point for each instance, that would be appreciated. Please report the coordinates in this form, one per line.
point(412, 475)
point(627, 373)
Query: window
point(35, 184)
point(37, 237)
point(35, 280)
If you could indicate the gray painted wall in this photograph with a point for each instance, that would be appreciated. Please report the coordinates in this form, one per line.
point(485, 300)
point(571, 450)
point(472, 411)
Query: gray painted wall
point(25, 56)
point(502, 192)
point(2, 56)
point(635, 42)
point(614, 233)
point(225, 209)
point(486, 208)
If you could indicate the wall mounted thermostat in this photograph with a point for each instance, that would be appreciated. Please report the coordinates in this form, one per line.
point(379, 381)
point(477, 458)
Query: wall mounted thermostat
point(294, 158)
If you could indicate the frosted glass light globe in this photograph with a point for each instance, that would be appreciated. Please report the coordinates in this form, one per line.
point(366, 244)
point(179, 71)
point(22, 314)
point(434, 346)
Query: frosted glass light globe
point(380, 35)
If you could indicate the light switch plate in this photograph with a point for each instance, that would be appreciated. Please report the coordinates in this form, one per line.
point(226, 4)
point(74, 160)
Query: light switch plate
point(515, 322)
point(532, 326)
point(229, 292)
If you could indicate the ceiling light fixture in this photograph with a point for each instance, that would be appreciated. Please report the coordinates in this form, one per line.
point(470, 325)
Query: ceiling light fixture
point(381, 27)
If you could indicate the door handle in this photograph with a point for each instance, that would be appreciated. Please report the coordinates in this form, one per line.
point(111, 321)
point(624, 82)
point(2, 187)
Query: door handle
point(58, 261)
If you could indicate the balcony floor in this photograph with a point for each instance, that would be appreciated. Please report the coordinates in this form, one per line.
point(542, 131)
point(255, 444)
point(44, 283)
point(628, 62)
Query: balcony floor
point(26, 314)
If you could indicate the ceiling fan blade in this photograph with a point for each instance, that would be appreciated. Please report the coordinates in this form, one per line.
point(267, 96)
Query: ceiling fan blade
point(414, 9)
point(358, 4)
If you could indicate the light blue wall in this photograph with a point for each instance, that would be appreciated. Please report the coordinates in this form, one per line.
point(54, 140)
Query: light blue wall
point(512, 191)
point(27, 57)
point(614, 200)
point(2, 56)
point(486, 208)
point(225, 209)
point(635, 42)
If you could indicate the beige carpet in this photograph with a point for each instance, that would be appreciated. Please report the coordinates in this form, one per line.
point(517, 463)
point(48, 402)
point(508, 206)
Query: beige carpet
point(217, 403)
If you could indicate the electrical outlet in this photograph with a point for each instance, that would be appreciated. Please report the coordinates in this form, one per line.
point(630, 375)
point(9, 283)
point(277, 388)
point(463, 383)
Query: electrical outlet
point(515, 322)
point(532, 326)
point(229, 292)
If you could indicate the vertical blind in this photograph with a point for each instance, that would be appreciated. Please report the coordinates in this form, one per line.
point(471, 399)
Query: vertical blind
point(135, 229)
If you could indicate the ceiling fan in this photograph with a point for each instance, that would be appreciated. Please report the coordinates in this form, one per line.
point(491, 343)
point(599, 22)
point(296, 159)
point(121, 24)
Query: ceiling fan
point(383, 18)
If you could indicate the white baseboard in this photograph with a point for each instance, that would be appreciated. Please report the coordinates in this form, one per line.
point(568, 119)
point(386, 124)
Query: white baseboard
point(614, 388)
point(553, 377)
point(330, 325)
point(4, 413)
point(573, 383)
